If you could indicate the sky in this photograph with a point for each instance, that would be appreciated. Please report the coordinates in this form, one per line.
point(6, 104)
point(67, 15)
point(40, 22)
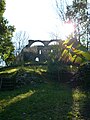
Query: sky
point(37, 17)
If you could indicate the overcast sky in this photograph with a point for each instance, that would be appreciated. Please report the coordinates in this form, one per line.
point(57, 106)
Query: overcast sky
point(37, 17)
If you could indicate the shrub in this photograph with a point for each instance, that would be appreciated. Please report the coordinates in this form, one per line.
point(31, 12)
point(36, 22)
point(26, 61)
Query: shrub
point(83, 76)
point(58, 71)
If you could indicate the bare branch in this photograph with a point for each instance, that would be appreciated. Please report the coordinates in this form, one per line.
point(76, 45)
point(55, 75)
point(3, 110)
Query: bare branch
point(21, 38)
point(61, 8)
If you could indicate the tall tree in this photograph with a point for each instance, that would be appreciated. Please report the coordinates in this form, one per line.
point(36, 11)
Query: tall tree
point(6, 33)
point(61, 9)
point(77, 13)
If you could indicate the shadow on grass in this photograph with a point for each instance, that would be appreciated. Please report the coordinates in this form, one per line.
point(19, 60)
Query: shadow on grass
point(45, 102)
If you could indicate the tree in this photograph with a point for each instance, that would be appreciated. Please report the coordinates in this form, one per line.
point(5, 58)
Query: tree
point(77, 13)
point(20, 39)
point(55, 52)
point(61, 9)
point(74, 52)
point(6, 33)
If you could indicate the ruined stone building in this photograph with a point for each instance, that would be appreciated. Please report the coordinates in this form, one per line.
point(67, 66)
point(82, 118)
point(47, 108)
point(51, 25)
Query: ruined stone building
point(38, 53)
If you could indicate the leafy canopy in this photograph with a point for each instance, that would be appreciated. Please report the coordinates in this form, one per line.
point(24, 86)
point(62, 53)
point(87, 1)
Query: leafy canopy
point(6, 34)
point(74, 52)
point(77, 13)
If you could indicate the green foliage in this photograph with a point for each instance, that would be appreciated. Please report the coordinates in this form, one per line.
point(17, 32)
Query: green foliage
point(6, 34)
point(83, 76)
point(43, 101)
point(53, 67)
point(58, 71)
point(2, 8)
point(77, 13)
point(74, 52)
point(55, 53)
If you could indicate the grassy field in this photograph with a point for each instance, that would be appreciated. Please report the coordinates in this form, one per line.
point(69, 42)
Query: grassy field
point(43, 101)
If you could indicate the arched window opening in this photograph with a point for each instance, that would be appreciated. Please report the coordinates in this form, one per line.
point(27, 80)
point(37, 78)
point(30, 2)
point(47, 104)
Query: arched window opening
point(37, 44)
point(54, 43)
point(37, 59)
point(51, 51)
point(40, 52)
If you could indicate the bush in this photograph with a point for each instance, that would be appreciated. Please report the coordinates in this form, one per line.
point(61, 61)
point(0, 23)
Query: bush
point(83, 76)
point(58, 71)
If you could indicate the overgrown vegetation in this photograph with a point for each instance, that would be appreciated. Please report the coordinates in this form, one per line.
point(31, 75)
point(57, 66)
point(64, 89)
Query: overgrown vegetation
point(77, 14)
point(82, 76)
point(59, 71)
point(6, 34)
point(46, 93)
point(44, 99)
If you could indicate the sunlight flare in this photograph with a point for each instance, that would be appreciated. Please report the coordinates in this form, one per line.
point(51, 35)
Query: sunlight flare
point(68, 28)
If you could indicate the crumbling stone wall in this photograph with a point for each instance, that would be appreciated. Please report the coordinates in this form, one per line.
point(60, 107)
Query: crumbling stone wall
point(31, 54)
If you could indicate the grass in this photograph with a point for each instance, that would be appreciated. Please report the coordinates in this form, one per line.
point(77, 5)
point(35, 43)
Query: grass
point(44, 101)
point(9, 71)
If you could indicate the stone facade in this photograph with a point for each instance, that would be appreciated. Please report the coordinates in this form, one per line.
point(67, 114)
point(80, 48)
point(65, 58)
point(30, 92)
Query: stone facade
point(36, 53)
